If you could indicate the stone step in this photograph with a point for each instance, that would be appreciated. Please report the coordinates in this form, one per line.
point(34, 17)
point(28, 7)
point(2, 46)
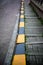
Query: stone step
point(34, 39)
point(34, 31)
point(35, 35)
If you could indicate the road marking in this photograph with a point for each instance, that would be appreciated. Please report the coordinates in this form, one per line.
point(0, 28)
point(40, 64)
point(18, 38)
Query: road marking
point(19, 60)
point(22, 12)
point(21, 38)
point(22, 3)
point(22, 9)
point(21, 24)
point(21, 16)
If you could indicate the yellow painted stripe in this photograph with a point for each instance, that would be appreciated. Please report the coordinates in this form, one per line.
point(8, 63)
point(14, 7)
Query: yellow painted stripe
point(21, 24)
point(21, 38)
point(22, 12)
point(22, 3)
point(19, 60)
point(22, 8)
point(21, 16)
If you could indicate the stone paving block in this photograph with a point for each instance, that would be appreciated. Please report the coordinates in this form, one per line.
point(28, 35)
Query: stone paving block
point(34, 31)
point(31, 20)
point(34, 39)
point(39, 60)
point(32, 59)
point(29, 48)
point(32, 24)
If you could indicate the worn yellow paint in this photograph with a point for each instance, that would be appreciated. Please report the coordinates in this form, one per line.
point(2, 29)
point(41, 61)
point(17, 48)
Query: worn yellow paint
point(19, 60)
point(22, 8)
point(21, 16)
point(22, 12)
point(21, 38)
point(22, 3)
point(21, 24)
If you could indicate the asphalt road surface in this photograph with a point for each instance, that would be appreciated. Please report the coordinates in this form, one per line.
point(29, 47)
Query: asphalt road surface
point(8, 11)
